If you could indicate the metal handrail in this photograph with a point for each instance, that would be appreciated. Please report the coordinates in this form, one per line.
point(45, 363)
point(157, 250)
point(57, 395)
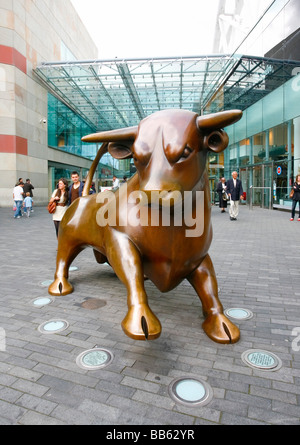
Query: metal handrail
point(251, 197)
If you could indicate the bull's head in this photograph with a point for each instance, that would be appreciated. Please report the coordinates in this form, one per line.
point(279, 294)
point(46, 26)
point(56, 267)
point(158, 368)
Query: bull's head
point(169, 148)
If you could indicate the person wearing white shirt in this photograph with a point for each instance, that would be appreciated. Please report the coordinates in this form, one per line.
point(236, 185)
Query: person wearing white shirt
point(18, 198)
point(116, 182)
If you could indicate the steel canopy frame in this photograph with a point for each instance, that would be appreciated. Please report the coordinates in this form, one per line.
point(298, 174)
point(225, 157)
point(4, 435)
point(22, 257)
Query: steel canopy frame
point(116, 93)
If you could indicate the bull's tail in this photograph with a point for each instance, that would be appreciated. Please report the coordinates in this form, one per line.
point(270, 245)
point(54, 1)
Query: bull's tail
point(88, 182)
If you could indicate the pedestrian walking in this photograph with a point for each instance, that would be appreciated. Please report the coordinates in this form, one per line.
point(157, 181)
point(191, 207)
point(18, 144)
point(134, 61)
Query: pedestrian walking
point(27, 204)
point(235, 192)
point(18, 196)
point(28, 187)
point(61, 196)
point(296, 197)
point(222, 192)
point(77, 186)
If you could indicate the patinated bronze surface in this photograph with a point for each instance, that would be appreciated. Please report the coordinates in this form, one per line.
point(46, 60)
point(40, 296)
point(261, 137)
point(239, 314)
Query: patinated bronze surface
point(169, 149)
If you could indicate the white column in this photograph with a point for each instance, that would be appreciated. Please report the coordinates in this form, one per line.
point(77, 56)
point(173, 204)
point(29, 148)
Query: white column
point(296, 123)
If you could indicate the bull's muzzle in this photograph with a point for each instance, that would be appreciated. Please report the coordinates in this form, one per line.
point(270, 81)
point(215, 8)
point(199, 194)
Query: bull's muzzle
point(161, 198)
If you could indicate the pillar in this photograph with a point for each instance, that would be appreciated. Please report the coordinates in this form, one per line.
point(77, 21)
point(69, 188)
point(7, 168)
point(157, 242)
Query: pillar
point(289, 147)
point(296, 123)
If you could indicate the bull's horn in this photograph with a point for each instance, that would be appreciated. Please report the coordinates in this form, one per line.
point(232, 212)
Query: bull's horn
point(215, 121)
point(112, 135)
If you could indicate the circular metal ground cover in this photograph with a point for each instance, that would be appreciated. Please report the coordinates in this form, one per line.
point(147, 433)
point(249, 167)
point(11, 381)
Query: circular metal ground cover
point(238, 313)
point(190, 391)
point(263, 360)
point(53, 326)
point(46, 283)
point(42, 301)
point(93, 303)
point(95, 358)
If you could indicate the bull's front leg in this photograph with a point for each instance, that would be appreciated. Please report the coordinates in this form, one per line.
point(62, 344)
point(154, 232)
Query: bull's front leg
point(66, 252)
point(216, 325)
point(140, 323)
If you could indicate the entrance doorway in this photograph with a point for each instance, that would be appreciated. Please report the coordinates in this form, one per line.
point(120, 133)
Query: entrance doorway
point(257, 182)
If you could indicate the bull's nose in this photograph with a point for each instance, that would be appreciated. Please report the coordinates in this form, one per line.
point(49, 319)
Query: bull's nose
point(162, 197)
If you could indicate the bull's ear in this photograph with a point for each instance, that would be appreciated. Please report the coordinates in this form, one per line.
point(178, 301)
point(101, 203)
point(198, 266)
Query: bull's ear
point(216, 141)
point(120, 149)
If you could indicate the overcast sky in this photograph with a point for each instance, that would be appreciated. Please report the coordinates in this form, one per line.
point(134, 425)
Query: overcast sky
point(155, 28)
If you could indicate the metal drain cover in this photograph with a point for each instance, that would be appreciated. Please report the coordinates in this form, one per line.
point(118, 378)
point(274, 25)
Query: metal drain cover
point(95, 358)
point(238, 313)
point(93, 303)
point(46, 283)
point(53, 326)
point(190, 391)
point(263, 360)
point(42, 301)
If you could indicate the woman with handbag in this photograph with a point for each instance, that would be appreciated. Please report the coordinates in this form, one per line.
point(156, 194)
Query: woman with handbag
point(223, 197)
point(296, 197)
point(60, 196)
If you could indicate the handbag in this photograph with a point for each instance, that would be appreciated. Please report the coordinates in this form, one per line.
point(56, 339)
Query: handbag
point(292, 193)
point(225, 197)
point(51, 207)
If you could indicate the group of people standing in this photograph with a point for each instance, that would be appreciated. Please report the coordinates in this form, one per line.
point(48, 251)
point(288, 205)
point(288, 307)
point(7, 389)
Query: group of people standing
point(23, 198)
point(231, 191)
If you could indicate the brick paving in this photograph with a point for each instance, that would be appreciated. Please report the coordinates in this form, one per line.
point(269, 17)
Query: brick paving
point(257, 264)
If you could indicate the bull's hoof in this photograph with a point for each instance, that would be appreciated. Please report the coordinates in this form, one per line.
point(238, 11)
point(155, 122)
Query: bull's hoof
point(141, 324)
point(221, 330)
point(60, 287)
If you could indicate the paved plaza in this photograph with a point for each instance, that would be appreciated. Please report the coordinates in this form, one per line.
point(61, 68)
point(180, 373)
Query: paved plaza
point(257, 260)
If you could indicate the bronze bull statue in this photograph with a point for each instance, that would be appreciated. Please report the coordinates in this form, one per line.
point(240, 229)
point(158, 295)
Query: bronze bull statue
point(169, 149)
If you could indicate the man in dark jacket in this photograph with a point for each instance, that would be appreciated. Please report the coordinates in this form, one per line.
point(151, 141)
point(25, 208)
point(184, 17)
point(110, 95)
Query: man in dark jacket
point(75, 191)
point(235, 191)
point(28, 187)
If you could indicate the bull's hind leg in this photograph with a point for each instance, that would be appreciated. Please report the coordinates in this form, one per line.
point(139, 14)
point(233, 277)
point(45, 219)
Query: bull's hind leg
point(216, 325)
point(66, 253)
point(140, 323)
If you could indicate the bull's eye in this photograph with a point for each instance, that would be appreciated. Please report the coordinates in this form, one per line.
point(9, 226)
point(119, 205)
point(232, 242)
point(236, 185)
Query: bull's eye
point(185, 154)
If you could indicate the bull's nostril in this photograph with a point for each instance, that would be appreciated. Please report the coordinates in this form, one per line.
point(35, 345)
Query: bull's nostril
point(227, 332)
point(144, 326)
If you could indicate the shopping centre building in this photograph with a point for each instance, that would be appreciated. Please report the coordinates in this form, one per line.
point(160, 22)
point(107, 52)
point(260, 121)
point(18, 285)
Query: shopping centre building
point(54, 90)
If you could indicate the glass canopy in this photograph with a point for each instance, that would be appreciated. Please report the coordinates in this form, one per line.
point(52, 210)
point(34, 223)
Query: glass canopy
point(110, 94)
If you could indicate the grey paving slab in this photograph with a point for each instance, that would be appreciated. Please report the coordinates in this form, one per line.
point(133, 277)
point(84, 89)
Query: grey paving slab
point(256, 259)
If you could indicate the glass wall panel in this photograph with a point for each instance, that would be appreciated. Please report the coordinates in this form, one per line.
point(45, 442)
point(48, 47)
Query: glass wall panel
point(65, 130)
point(254, 117)
point(278, 143)
point(273, 108)
point(240, 129)
point(244, 150)
point(292, 96)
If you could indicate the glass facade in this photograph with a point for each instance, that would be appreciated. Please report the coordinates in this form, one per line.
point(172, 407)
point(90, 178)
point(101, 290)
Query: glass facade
point(265, 144)
point(65, 130)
